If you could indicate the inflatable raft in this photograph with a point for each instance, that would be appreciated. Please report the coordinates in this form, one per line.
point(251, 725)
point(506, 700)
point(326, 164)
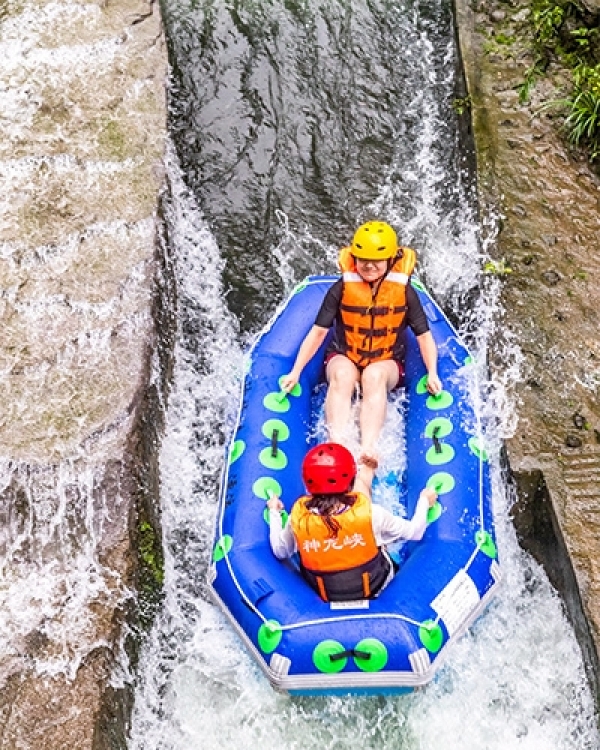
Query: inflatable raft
point(397, 641)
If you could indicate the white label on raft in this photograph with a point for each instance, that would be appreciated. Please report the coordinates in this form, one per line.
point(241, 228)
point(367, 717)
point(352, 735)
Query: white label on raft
point(356, 604)
point(456, 601)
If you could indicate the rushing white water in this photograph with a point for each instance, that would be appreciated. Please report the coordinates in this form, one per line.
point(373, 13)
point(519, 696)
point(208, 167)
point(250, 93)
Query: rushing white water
point(516, 680)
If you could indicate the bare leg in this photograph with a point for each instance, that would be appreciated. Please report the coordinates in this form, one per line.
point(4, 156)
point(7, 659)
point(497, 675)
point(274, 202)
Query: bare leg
point(342, 376)
point(377, 380)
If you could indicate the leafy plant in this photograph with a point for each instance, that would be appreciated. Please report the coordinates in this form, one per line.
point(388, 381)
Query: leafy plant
point(582, 109)
point(547, 20)
point(560, 32)
point(533, 73)
point(584, 37)
point(460, 106)
point(496, 268)
point(504, 39)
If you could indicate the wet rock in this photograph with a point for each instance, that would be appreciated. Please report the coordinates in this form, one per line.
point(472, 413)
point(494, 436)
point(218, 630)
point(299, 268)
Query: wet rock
point(573, 441)
point(579, 421)
point(551, 278)
point(36, 641)
point(548, 239)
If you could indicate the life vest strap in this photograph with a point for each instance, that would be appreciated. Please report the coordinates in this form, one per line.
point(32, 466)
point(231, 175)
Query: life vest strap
point(391, 310)
point(358, 309)
point(366, 580)
point(381, 353)
point(368, 332)
point(375, 310)
point(321, 588)
point(355, 329)
point(378, 332)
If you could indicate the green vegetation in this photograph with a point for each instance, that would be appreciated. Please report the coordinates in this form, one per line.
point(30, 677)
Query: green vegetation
point(497, 268)
point(111, 140)
point(566, 32)
point(462, 105)
point(504, 39)
point(580, 276)
point(151, 571)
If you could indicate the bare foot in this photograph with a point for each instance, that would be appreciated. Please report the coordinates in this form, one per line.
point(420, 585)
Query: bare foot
point(369, 459)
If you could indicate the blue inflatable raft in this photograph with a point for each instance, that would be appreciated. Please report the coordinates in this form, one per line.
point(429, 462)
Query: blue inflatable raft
point(397, 641)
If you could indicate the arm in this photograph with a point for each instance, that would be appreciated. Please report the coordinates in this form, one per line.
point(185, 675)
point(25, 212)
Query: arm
point(428, 349)
point(417, 320)
point(389, 528)
point(308, 348)
point(364, 478)
point(282, 540)
point(315, 337)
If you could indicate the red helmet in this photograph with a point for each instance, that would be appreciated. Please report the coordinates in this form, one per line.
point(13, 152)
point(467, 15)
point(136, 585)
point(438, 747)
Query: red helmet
point(328, 468)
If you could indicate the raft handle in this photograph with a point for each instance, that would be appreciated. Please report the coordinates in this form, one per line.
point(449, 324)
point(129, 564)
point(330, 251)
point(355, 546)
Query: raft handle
point(436, 441)
point(350, 652)
point(274, 446)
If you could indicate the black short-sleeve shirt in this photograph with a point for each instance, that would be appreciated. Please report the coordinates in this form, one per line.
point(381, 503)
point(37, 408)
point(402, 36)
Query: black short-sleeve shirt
point(329, 313)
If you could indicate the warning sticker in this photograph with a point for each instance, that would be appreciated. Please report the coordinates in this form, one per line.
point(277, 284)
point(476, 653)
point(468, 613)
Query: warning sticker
point(456, 601)
point(355, 604)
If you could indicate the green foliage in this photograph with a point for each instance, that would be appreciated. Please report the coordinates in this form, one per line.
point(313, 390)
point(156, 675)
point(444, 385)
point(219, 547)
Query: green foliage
point(560, 32)
point(582, 109)
point(151, 571)
point(584, 38)
point(150, 552)
point(562, 29)
point(533, 73)
point(504, 39)
point(460, 106)
point(497, 268)
point(580, 276)
point(547, 18)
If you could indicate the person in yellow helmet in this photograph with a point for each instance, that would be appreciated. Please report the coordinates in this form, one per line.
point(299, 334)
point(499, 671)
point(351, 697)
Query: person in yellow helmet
point(370, 305)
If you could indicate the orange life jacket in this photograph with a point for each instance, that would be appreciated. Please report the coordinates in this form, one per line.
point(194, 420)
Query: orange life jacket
point(372, 321)
point(345, 567)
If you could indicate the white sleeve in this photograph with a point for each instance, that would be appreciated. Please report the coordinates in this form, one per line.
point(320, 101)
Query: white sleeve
point(283, 542)
point(389, 528)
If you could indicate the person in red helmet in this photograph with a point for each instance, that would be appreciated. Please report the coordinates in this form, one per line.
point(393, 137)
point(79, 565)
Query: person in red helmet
point(369, 309)
point(338, 532)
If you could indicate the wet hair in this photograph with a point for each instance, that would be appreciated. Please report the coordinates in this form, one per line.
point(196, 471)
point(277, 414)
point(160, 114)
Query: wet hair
point(326, 504)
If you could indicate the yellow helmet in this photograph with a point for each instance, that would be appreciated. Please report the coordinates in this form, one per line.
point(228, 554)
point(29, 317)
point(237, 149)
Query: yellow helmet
point(374, 240)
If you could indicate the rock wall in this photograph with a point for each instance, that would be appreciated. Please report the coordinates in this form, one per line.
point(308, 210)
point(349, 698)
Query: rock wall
point(83, 371)
point(543, 200)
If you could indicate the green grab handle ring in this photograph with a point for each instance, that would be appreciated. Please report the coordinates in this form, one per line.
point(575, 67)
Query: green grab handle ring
point(431, 636)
